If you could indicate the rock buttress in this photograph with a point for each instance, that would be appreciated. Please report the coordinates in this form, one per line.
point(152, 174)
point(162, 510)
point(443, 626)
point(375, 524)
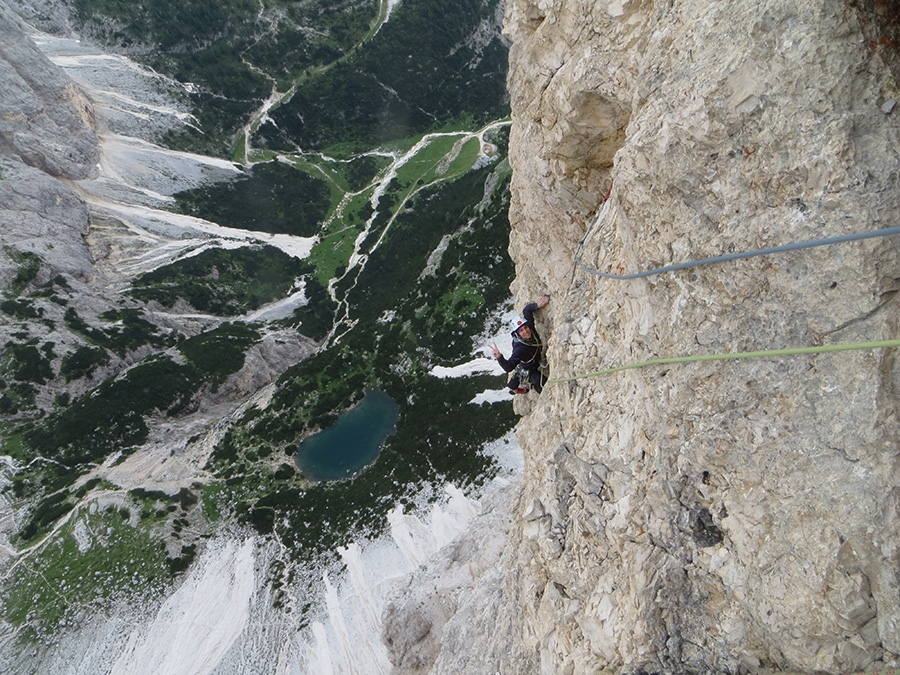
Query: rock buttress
point(713, 516)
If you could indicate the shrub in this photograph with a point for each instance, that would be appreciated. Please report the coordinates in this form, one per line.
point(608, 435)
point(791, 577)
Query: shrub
point(82, 362)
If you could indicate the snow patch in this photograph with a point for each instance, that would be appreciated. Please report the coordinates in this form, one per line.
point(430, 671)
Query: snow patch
point(479, 365)
point(491, 396)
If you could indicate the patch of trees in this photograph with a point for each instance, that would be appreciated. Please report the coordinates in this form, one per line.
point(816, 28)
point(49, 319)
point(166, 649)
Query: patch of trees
point(181, 562)
point(112, 416)
point(82, 362)
point(222, 282)
point(220, 352)
point(47, 511)
point(29, 264)
point(127, 331)
point(418, 74)
point(362, 171)
point(316, 317)
point(27, 363)
point(273, 198)
point(21, 308)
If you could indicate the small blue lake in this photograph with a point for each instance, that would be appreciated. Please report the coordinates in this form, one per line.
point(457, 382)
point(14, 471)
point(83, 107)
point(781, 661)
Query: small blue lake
point(353, 442)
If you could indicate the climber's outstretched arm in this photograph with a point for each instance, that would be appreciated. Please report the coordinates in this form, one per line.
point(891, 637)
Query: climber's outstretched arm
point(507, 364)
point(531, 307)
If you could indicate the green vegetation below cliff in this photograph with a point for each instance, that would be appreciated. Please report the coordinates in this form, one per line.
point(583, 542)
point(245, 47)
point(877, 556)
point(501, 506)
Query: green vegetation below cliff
point(273, 198)
point(407, 268)
point(222, 282)
point(408, 322)
point(424, 72)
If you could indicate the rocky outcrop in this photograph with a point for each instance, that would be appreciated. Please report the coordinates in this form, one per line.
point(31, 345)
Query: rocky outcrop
point(43, 216)
point(264, 362)
point(458, 601)
point(45, 120)
point(46, 134)
point(716, 516)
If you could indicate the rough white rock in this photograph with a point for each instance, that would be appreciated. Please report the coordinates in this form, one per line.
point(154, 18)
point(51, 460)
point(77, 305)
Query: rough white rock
point(451, 615)
point(720, 515)
point(45, 119)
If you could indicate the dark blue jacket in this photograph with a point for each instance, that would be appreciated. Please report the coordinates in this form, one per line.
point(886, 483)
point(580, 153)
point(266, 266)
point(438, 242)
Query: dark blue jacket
point(527, 353)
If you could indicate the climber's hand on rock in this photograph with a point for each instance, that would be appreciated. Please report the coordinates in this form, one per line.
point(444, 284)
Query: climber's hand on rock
point(543, 301)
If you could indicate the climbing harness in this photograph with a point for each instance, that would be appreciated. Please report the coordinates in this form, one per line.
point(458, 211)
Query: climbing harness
point(769, 353)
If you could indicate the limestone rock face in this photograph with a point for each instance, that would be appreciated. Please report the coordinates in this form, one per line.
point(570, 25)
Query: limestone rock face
point(724, 515)
point(453, 615)
point(41, 215)
point(46, 136)
point(45, 120)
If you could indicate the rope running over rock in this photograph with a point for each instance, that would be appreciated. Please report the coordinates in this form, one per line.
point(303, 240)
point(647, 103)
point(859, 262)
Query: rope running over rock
point(730, 256)
point(769, 353)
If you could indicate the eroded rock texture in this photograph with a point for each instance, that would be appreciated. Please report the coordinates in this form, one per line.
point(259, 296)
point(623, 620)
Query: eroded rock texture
point(45, 120)
point(723, 515)
point(46, 136)
point(720, 516)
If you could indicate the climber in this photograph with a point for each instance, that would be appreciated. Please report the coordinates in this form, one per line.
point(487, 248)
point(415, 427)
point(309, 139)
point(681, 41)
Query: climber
point(525, 359)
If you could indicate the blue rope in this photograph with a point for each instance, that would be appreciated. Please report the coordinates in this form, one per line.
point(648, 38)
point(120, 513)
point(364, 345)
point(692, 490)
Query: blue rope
point(737, 256)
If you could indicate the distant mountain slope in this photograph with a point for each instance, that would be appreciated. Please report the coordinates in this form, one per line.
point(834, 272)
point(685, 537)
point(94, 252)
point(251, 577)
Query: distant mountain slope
point(433, 64)
point(173, 324)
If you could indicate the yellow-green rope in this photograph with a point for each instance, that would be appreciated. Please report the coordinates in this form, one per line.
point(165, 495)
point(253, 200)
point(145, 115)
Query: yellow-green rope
point(735, 355)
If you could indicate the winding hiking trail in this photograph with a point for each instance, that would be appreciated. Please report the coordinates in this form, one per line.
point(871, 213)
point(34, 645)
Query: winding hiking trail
point(244, 150)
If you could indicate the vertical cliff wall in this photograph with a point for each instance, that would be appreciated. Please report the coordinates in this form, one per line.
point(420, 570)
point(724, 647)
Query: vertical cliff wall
point(727, 515)
point(46, 138)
